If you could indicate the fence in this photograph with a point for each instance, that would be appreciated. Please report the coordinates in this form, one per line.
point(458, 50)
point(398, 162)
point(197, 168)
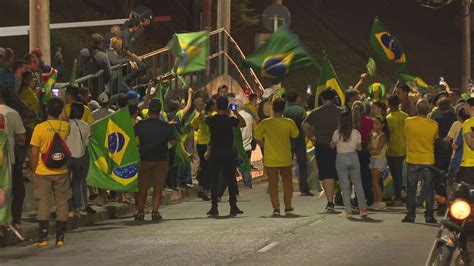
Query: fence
point(225, 56)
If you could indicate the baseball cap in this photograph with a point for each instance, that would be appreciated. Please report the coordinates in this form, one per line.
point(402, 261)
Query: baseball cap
point(154, 105)
point(103, 98)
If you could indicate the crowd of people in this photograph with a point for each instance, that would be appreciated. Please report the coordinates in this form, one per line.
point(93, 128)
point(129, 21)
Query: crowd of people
point(354, 144)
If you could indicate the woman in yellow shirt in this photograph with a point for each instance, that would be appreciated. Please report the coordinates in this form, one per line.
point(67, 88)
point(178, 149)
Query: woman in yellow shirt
point(29, 97)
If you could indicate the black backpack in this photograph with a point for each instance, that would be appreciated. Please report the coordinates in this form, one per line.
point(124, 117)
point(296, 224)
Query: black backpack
point(58, 153)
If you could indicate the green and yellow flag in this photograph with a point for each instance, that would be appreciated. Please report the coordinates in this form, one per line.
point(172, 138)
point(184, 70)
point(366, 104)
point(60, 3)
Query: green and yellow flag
point(279, 56)
point(239, 147)
point(48, 87)
point(385, 45)
point(371, 67)
point(5, 180)
point(415, 82)
point(113, 154)
point(183, 131)
point(328, 79)
point(191, 51)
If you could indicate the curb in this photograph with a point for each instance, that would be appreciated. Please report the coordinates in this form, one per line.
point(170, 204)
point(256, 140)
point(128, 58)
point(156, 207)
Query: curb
point(112, 210)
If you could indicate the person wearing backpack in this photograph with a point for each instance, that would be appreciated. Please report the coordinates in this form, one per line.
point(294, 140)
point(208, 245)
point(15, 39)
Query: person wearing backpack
point(48, 161)
point(77, 143)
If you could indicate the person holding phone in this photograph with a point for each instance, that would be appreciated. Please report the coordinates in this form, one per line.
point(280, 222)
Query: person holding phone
point(220, 153)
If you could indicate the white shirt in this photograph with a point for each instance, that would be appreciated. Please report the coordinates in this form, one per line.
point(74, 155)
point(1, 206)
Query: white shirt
point(78, 137)
point(347, 146)
point(14, 126)
point(247, 134)
point(101, 113)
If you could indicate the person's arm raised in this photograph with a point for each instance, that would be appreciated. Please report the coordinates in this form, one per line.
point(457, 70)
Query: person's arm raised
point(189, 102)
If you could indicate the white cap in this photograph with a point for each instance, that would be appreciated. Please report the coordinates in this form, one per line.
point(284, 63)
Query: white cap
point(103, 98)
point(268, 92)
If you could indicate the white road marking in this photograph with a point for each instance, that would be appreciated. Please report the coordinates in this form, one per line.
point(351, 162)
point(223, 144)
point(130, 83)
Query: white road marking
point(268, 247)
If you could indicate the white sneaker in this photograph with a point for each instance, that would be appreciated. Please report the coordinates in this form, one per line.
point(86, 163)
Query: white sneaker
point(378, 206)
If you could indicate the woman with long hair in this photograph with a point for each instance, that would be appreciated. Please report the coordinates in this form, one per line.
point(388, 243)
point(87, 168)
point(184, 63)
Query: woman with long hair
point(347, 141)
point(378, 160)
point(378, 109)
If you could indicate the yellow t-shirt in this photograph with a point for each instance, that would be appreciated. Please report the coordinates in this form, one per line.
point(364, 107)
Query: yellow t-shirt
point(276, 133)
point(468, 153)
point(251, 108)
point(396, 125)
point(201, 134)
point(86, 117)
point(420, 134)
point(28, 96)
point(42, 137)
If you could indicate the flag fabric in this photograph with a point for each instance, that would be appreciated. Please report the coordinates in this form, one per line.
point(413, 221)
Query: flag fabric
point(385, 45)
point(113, 154)
point(281, 54)
point(191, 51)
point(328, 79)
point(48, 86)
point(72, 79)
point(182, 131)
point(415, 81)
point(161, 91)
point(239, 147)
point(371, 67)
point(5, 180)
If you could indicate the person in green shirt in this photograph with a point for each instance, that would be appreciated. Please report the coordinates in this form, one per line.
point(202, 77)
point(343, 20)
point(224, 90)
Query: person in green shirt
point(298, 114)
point(396, 147)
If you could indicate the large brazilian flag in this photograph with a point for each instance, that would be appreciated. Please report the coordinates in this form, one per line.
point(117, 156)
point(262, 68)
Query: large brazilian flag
point(113, 154)
point(191, 51)
point(281, 54)
point(328, 79)
point(5, 180)
point(386, 46)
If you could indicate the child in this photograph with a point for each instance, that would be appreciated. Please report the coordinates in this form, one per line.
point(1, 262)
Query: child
point(378, 160)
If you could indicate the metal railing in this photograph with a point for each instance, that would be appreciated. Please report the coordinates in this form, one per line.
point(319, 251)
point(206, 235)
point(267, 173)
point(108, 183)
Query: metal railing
point(225, 56)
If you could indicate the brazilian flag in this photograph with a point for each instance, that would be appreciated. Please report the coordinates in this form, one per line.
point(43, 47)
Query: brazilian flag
point(191, 51)
point(280, 55)
point(328, 79)
point(415, 82)
point(5, 180)
point(182, 131)
point(113, 154)
point(49, 86)
point(385, 45)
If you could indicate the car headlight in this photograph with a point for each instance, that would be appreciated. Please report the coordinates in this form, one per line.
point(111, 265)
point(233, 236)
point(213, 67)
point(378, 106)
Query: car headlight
point(460, 209)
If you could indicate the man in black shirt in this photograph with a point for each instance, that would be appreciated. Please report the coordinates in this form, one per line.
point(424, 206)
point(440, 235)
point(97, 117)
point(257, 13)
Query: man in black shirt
point(221, 153)
point(153, 136)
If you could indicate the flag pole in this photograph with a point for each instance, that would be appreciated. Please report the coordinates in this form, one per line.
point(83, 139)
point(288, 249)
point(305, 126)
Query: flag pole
point(395, 88)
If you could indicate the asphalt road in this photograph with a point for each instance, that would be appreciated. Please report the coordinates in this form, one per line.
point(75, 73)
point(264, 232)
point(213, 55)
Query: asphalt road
point(186, 236)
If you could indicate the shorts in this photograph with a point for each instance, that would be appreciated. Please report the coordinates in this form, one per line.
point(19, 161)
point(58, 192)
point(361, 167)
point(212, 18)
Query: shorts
point(326, 161)
point(377, 164)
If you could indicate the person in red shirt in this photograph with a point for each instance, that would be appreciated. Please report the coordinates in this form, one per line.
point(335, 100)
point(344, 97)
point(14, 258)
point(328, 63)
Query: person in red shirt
point(364, 124)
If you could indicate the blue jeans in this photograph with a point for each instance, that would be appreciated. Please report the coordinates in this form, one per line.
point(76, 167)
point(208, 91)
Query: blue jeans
point(396, 169)
point(348, 169)
point(184, 174)
point(416, 173)
point(78, 171)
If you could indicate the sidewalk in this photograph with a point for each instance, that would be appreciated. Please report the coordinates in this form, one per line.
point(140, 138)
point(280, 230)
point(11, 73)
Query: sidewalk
point(111, 210)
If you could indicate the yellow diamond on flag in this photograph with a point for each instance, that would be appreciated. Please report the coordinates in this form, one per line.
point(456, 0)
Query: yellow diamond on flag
point(116, 142)
point(188, 52)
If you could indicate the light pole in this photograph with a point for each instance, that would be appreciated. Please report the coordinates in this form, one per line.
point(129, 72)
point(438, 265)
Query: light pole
point(39, 28)
point(466, 44)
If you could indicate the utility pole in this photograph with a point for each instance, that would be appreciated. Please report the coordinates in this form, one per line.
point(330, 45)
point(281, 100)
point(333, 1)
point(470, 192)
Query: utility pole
point(206, 14)
point(466, 45)
point(223, 21)
point(39, 28)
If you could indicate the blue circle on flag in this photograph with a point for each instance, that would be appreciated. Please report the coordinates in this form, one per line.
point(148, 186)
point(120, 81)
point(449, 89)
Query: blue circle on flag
point(126, 172)
point(275, 67)
point(392, 45)
point(116, 142)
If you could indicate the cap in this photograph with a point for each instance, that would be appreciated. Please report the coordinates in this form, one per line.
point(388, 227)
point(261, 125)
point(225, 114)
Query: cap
point(93, 105)
point(133, 95)
point(154, 105)
point(103, 98)
point(268, 92)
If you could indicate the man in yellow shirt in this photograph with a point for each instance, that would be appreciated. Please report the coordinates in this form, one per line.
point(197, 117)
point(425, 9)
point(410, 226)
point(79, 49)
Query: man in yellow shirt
point(466, 171)
point(72, 95)
point(275, 134)
point(420, 134)
point(47, 180)
point(396, 146)
point(251, 107)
